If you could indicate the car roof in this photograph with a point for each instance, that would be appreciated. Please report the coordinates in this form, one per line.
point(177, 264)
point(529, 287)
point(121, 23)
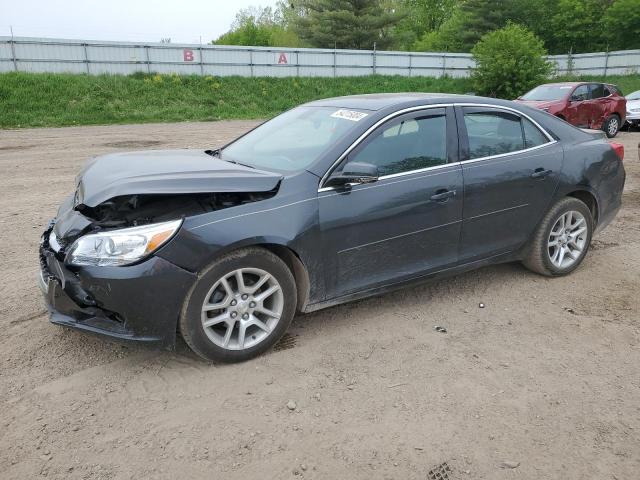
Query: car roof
point(379, 101)
point(566, 84)
point(575, 84)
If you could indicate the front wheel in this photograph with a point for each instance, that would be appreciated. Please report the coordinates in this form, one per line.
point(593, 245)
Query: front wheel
point(240, 306)
point(562, 239)
point(611, 126)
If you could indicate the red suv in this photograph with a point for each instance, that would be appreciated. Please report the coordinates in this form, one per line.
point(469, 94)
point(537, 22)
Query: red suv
point(586, 105)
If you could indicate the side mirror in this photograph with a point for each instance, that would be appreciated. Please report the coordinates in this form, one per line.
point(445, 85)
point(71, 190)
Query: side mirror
point(354, 173)
point(575, 98)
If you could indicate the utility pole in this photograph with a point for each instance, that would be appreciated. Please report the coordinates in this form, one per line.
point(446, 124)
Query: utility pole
point(374, 58)
point(13, 49)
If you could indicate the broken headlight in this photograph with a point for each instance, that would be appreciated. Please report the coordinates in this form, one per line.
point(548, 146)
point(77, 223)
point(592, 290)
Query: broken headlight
point(121, 247)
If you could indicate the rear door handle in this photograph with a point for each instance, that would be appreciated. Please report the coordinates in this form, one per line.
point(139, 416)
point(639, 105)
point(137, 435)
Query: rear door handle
point(442, 195)
point(541, 173)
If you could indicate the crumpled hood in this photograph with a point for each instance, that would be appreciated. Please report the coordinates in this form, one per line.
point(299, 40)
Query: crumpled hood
point(166, 172)
point(539, 104)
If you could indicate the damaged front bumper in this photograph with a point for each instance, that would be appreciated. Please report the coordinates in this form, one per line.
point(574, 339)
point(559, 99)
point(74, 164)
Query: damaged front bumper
point(139, 302)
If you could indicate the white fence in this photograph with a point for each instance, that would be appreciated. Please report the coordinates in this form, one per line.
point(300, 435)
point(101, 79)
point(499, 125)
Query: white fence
point(96, 57)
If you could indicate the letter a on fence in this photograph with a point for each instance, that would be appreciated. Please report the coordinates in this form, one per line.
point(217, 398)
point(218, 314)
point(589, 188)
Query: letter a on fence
point(282, 59)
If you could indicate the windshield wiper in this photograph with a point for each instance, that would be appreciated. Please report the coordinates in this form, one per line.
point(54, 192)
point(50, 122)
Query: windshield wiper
point(214, 153)
point(218, 151)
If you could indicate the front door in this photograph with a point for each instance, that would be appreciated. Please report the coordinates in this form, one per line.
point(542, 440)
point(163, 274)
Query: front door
point(406, 223)
point(511, 170)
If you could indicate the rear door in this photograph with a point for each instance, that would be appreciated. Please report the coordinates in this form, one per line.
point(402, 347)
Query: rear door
point(579, 108)
point(598, 105)
point(406, 223)
point(511, 169)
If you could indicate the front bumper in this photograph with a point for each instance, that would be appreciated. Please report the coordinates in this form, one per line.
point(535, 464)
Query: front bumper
point(131, 303)
point(633, 117)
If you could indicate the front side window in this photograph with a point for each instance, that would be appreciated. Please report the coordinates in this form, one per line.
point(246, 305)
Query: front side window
point(407, 144)
point(492, 133)
point(580, 94)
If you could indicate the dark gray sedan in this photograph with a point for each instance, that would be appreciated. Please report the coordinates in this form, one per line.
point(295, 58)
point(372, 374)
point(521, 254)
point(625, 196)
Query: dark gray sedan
point(332, 201)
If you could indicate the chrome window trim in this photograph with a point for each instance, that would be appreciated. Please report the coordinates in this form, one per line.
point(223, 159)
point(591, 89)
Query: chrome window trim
point(366, 186)
point(362, 137)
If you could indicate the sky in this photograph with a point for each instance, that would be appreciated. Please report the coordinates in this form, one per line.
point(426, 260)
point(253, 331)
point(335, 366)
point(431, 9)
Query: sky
point(183, 21)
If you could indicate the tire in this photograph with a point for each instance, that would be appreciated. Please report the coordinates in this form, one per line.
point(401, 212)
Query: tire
point(611, 126)
point(540, 255)
point(219, 300)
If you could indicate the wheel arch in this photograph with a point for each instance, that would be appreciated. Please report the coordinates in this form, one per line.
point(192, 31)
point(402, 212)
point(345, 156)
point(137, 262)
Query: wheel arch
point(589, 199)
point(297, 267)
point(279, 246)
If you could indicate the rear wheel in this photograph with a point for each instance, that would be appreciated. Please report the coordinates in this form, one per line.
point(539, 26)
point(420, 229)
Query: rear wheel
point(240, 307)
point(562, 239)
point(611, 126)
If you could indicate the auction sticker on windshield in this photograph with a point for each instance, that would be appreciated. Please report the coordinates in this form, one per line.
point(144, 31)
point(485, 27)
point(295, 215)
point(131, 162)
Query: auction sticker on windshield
point(349, 115)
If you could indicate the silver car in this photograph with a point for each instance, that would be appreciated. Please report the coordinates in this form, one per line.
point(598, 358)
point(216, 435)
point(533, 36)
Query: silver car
point(633, 108)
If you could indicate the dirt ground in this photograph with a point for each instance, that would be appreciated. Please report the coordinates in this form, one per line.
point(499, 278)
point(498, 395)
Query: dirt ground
point(545, 377)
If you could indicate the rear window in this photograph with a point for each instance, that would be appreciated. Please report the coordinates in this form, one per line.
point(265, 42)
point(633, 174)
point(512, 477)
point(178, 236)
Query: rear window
point(614, 89)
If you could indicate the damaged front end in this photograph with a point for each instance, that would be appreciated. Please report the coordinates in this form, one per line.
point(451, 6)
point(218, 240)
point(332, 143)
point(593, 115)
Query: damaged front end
point(134, 210)
point(138, 302)
point(140, 297)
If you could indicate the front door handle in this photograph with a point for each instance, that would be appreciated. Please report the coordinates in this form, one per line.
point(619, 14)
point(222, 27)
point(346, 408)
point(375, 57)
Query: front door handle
point(541, 173)
point(442, 195)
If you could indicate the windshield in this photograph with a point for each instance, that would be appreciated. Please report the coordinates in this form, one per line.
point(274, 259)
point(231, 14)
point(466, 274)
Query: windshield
point(294, 140)
point(634, 96)
point(548, 92)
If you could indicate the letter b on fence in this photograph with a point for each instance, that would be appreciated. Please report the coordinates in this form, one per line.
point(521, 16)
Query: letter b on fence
point(187, 55)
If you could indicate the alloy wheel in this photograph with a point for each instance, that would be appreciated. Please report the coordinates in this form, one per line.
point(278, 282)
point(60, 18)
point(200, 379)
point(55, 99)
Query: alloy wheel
point(242, 308)
point(567, 239)
point(613, 126)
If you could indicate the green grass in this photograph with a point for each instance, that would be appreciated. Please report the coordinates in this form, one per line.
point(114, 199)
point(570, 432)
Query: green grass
point(54, 100)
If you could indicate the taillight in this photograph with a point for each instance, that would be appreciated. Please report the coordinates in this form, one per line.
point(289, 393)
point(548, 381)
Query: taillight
point(619, 149)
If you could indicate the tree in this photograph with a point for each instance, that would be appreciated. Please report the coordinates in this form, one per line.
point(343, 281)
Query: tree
point(466, 21)
point(621, 24)
point(419, 17)
point(577, 26)
point(446, 38)
point(481, 17)
point(345, 23)
point(509, 62)
point(255, 26)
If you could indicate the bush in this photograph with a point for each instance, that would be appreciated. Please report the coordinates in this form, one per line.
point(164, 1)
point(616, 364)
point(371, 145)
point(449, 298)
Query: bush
point(509, 62)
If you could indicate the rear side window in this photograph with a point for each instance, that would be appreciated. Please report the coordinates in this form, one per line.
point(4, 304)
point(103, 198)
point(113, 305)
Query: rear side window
point(597, 90)
point(406, 145)
point(492, 133)
point(533, 137)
